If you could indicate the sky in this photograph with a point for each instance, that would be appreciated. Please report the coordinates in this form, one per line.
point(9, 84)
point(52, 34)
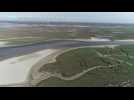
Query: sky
point(104, 17)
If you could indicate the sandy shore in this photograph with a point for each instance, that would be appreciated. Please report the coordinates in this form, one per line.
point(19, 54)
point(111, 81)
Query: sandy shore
point(15, 70)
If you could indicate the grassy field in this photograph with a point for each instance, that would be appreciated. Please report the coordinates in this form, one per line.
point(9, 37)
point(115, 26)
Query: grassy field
point(73, 62)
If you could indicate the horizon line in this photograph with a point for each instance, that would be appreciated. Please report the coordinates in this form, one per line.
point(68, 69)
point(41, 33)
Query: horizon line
point(65, 22)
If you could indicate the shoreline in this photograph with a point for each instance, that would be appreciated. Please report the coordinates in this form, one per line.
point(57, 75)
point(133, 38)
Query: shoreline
point(51, 59)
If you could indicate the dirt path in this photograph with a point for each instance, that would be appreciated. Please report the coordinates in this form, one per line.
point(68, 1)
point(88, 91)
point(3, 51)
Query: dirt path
point(58, 75)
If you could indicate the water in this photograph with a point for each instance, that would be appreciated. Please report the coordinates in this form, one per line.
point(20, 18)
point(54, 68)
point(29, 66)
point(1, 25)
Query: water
point(11, 25)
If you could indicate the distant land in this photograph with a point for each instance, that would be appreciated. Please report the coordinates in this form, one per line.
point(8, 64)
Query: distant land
point(63, 22)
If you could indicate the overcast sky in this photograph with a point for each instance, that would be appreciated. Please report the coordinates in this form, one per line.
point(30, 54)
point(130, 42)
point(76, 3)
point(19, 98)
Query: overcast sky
point(114, 17)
